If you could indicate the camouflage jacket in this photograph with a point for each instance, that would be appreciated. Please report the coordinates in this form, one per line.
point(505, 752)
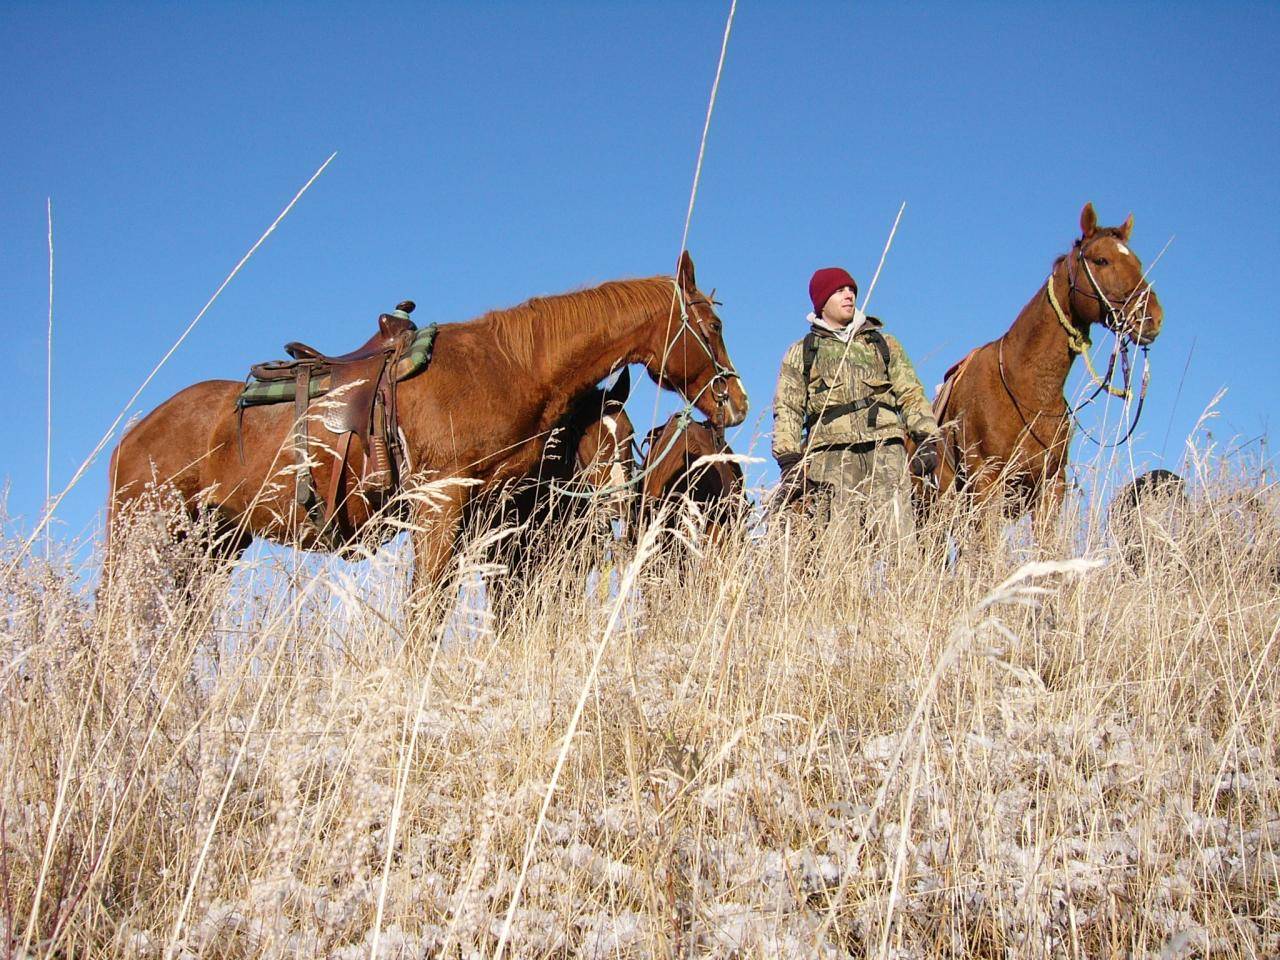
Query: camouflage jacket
point(851, 396)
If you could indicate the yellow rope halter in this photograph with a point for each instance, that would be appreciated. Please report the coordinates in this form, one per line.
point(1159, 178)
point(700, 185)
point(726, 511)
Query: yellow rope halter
point(1080, 343)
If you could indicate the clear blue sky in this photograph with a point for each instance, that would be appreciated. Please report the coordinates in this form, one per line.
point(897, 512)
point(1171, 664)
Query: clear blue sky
point(490, 152)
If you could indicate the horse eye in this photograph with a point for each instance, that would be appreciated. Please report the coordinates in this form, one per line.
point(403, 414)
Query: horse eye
point(1102, 261)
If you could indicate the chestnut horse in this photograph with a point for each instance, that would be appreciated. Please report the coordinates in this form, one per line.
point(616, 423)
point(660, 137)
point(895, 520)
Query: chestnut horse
point(1006, 426)
point(675, 474)
point(480, 414)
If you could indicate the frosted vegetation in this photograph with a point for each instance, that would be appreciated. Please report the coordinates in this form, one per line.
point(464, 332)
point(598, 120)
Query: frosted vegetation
point(779, 746)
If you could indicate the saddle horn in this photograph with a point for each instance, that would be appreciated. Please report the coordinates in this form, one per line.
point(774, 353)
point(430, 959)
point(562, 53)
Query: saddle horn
point(398, 320)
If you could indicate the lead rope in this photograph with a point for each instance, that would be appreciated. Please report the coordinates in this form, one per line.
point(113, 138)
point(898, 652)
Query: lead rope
point(683, 419)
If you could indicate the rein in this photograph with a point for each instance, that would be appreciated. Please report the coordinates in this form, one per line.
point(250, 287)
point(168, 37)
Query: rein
point(1029, 424)
point(1127, 373)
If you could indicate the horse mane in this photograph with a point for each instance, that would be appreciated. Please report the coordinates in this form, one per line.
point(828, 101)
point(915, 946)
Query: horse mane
point(525, 331)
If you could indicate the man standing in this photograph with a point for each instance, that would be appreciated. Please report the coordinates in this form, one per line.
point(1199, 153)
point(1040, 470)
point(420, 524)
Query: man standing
point(847, 399)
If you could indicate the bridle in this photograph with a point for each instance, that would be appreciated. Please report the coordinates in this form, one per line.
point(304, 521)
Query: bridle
point(1113, 321)
point(719, 382)
point(1078, 342)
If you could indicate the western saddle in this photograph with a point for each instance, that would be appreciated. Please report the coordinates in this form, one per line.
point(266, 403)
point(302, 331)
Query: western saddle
point(360, 391)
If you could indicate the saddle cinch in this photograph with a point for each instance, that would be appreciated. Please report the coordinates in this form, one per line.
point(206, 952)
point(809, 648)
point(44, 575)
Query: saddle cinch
point(361, 391)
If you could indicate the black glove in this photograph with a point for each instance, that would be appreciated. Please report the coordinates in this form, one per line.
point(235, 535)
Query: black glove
point(924, 462)
point(792, 485)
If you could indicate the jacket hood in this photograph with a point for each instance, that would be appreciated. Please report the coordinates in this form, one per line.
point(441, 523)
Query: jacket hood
point(859, 322)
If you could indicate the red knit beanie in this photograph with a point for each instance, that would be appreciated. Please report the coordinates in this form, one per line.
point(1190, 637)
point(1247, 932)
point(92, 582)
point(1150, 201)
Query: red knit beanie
point(827, 281)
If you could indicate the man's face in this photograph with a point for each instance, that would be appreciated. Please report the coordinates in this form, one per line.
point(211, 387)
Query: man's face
point(839, 307)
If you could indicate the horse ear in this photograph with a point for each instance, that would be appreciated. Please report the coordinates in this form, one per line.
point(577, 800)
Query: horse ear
point(1126, 229)
point(1088, 221)
point(621, 389)
point(684, 273)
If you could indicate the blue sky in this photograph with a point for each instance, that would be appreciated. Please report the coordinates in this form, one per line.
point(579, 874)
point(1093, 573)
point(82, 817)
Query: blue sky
point(490, 152)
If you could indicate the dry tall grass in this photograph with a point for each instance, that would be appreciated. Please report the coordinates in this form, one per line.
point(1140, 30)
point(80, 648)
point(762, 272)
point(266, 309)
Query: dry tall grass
point(785, 748)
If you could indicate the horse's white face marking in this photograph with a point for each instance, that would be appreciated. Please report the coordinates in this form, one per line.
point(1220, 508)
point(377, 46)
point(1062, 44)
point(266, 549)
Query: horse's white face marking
point(1122, 248)
point(611, 424)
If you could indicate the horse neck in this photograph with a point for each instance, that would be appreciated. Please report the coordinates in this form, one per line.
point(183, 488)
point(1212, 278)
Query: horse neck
point(1036, 352)
point(571, 356)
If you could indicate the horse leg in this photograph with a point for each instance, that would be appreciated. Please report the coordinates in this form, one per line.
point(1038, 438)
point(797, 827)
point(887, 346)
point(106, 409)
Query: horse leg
point(1047, 509)
point(979, 523)
point(435, 536)
point(507, 590)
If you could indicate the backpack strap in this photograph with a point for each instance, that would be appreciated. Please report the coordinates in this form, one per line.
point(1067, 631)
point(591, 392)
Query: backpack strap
point(877, 340)
point(836, 411)
point(810, 352)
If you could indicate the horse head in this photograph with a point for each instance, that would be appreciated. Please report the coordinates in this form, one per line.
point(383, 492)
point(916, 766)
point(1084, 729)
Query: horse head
point(1106, 281)
point(675, 472)
point(692, 357)
point(603, 457)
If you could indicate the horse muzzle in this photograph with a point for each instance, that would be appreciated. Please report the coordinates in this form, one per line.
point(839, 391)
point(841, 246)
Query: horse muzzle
point(731, 403)
point(1144, 320)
